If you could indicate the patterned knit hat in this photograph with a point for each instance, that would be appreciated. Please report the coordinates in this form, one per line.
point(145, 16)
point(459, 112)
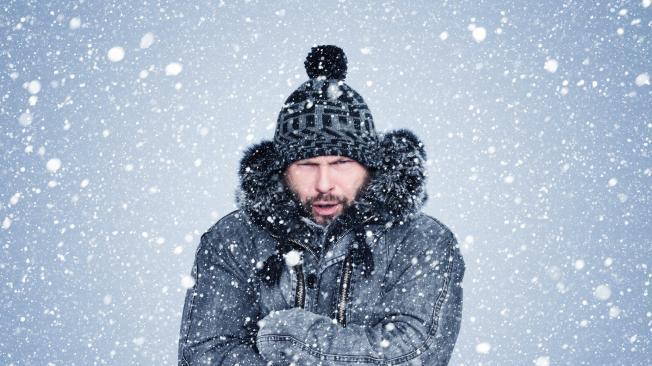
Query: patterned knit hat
point(324, 116)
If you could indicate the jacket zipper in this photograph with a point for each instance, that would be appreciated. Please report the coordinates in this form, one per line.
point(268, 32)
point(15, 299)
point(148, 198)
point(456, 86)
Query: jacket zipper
point(300, 295)
point(304, 247)
point(345, 282)
point(300, 291)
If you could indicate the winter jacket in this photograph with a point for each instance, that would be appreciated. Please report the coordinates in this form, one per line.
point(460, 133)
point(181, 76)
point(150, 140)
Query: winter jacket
point(380, 285)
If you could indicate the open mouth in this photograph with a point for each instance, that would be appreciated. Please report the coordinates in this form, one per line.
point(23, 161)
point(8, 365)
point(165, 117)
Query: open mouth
point(325, 208)
point(325, 205)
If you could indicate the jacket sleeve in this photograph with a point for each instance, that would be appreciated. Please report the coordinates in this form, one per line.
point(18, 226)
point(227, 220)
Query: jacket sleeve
point(218, 326)
point(418, 317)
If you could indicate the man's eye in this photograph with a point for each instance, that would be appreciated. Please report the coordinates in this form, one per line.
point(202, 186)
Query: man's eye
point(344, 161)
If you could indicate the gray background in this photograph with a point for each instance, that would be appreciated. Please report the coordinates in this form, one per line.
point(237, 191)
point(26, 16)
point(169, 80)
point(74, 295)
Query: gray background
point(543, 176)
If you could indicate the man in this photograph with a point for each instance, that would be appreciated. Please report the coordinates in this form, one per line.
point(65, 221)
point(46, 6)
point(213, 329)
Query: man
point(328, 260)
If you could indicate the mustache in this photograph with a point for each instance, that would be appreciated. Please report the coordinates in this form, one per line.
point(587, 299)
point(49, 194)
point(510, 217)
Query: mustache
point(328, 197)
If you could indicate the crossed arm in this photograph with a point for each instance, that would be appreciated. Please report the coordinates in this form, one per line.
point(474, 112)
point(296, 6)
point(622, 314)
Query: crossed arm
point(418, 317)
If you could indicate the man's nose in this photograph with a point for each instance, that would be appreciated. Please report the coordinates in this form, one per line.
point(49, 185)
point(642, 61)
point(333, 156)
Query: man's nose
point(324, 181)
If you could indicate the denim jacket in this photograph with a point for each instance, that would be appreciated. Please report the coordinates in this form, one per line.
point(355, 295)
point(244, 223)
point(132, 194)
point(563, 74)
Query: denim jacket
point(381, 285)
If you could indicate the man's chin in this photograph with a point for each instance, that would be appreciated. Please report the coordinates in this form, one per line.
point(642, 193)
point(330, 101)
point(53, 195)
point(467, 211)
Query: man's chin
point(324, 219)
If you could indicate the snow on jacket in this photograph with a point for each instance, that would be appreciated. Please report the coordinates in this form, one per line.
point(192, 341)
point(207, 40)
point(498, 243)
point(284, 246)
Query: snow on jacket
point(380, 285)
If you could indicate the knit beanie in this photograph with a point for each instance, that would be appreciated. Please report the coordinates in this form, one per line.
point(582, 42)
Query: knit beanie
point(325, 116)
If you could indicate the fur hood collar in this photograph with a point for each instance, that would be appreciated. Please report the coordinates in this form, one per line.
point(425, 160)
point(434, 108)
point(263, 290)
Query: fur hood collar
point(395, 192)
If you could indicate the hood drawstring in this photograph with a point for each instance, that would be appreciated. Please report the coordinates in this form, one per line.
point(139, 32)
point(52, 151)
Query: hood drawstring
point(272, 269)
point(360, 252)
point(270, 272)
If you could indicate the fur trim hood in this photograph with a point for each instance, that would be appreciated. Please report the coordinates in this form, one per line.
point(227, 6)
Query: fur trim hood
point(395, 192)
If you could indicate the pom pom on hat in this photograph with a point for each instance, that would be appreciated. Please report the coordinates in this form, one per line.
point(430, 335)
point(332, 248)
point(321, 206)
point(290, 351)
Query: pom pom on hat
point(328, 61)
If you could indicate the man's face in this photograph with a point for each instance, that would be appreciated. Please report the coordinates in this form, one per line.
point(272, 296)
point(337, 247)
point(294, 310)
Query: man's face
point(326, 185)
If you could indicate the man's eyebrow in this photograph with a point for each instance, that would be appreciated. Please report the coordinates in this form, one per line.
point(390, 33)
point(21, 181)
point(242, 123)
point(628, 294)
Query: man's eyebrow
point(341, 160)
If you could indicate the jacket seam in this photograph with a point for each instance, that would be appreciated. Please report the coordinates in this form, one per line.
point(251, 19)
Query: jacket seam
point(397, 249)
point(331, 262)
point(435, 312)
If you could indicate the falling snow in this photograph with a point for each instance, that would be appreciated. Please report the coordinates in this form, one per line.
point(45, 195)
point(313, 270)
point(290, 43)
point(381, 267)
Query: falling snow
point(147, 40)
point(25, 118)
point(6, 223)
point(34, 86)
point(116, 54)
point(602, 292)
point(53, 165)
point(187, 282)
point(173, 69)
point(479, 34)
point(74, 23)
point(292, 258)
point(123, 122)
point(642, 79)
point(551, 66)
point(542, 361)
point(483, 348)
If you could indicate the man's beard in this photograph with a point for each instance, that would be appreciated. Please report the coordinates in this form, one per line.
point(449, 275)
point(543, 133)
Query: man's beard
point(328, 197)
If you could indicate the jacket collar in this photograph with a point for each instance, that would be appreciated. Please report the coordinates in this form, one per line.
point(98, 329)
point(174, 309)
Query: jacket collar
point(395, 192)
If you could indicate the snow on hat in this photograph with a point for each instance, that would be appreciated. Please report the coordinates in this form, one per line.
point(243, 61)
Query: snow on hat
point(324, 116)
